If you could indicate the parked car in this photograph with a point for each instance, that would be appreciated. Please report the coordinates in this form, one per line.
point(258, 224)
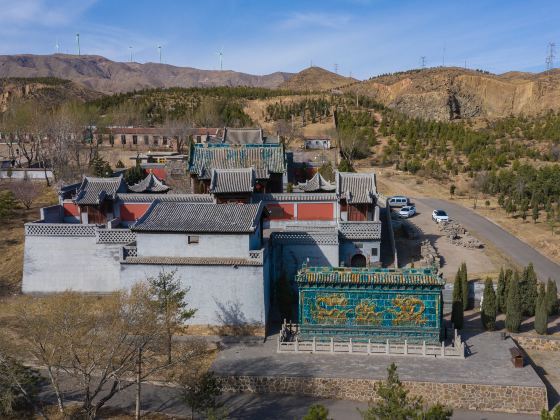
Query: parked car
point(398, 201)
point(407, 211)
point(439, 216)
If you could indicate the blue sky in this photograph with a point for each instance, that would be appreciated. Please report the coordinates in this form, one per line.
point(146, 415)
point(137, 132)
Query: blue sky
point(364, 37)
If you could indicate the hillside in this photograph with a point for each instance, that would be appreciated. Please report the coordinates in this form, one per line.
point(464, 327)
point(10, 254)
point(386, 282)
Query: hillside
point(315, 79)
point(48, 91)
point(103, 75)
point(453, 93)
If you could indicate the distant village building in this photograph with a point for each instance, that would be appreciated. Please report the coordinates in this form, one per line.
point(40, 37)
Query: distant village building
point(317, 143)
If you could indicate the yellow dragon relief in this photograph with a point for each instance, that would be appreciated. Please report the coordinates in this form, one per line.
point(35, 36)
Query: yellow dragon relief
point(365, 313)
point(411, 311)
point(324, 308)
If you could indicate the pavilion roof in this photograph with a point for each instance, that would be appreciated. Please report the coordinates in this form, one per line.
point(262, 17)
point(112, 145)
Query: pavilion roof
point(265, 159)
point(317, 183)
point(150, 184)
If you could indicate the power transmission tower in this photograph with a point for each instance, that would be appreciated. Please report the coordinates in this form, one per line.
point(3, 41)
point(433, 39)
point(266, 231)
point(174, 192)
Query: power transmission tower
point(336, 68)
point(443, 57)
point(551, 54)
point(423, 61)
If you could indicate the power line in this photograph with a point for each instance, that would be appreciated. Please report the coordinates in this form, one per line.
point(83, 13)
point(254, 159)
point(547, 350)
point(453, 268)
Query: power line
point(551, 54)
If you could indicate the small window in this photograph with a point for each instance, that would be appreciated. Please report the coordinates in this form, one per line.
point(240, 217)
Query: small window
point(164, 141)
point(374, 252)
point(156, 140)
point(193, 239)
point(146, 140)
point(123, 139)
point(198, 139)
point(134, 139)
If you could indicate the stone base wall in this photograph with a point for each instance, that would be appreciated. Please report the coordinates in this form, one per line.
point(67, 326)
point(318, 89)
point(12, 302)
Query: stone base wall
point(225, 330)
point(537, 343)
point(515, 399)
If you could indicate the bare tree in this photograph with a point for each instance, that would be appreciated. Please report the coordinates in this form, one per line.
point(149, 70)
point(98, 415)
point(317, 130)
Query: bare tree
point(99, 343)
point(25, 191)
point(181, 131)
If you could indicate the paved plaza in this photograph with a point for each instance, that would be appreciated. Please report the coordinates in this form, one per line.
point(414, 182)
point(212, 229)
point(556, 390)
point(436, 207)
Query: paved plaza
point(487, 362)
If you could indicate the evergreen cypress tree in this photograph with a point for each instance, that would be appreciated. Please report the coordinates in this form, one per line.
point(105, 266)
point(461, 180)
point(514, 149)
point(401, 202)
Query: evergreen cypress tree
point(513, 309)
point(457, 305)
point(528, 288)
point(551, 298)
point(501, 295)
point(541, 314)
point(489, 310)
point(465, 286)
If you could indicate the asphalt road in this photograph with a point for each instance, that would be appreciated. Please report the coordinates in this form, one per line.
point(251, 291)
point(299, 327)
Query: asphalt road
point(518, 251)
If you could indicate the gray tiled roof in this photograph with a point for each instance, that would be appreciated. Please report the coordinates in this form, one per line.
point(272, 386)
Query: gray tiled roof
point(265, 159)
point(150, 184)
point(356, 188)
point(232, 180)
point(95, 190)
point(293, 197)
point(368, 230)
point(317, 183)
point(243, 136)
point(192, 261)
point(177, 198)
point(199, 217)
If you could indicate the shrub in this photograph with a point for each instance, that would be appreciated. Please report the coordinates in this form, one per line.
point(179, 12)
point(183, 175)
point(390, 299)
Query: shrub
point(317, 412)
point(528, 288)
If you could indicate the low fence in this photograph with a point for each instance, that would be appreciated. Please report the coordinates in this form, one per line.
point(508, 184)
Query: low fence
point(455, 350)
point(26, 173)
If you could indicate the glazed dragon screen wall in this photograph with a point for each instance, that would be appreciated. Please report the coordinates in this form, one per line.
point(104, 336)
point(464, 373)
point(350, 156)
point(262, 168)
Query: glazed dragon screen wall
point(378, 313)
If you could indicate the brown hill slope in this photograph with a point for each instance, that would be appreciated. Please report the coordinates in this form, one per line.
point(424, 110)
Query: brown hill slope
point(47, 91)
point(451, 93)
point(314, 79)
point(103, 75)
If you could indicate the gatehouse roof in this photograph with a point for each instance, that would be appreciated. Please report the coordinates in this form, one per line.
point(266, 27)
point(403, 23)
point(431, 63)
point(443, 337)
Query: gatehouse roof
point(347, 276)
point(150, 184)
point(94, 190)
point(356, 188)
point(199, 217)
point(243, 135)
point(178, 198)
point(232, 180)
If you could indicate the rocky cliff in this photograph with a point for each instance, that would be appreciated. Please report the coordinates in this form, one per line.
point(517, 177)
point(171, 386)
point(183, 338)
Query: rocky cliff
point(453, 93)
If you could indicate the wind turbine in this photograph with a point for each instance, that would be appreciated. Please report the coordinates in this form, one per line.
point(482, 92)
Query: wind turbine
point(130, 49)
point(221, 55)
point(78, 41)
point(57, 46)
point(159, 48)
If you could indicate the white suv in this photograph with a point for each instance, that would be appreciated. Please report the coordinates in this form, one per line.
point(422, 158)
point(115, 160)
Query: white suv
point(439, 216)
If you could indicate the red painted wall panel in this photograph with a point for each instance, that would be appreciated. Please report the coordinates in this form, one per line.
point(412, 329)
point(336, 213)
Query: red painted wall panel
point(315, 211)
point(161, 173)
point(130, 212)
point(71, 209)
point(281, 211)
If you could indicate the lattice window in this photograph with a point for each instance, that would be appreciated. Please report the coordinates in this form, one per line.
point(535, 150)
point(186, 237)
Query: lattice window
point(59, 229)
point(115, 236)
point(361, 230)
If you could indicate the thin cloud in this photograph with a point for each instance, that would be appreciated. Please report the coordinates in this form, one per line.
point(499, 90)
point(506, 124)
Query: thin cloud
point(314, 20)
point(42, 12)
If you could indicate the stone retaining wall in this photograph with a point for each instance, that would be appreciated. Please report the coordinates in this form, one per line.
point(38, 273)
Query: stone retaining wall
point(537, 343)
point(516, 399)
